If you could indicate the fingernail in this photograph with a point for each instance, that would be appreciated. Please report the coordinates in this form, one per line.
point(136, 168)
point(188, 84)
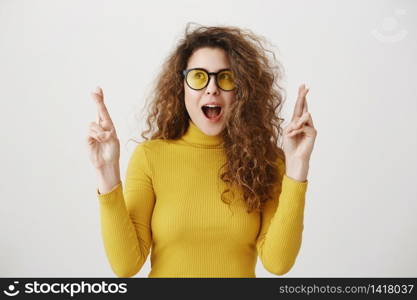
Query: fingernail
point(97, 89)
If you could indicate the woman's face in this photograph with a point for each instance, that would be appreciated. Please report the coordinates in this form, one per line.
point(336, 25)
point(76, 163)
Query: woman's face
point(213, 60)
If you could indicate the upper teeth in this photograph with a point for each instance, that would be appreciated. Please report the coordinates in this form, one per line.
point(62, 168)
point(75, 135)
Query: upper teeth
point(212, 105)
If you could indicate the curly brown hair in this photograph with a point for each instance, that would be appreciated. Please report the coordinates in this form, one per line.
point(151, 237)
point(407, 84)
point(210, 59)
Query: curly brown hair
point(252, 137)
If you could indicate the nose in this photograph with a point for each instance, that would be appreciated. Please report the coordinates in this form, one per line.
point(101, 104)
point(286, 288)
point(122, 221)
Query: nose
point(212, 87)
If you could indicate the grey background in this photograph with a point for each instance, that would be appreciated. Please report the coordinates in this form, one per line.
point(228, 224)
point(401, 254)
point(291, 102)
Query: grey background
point(357, 57)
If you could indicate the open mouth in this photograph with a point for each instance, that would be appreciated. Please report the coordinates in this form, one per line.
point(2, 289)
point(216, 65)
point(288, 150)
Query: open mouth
point(212, 112)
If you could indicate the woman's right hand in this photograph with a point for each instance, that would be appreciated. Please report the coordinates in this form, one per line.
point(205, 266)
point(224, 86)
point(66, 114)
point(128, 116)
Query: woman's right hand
point(102, 139)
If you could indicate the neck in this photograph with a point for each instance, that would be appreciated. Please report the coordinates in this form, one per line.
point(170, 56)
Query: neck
point(197, 138)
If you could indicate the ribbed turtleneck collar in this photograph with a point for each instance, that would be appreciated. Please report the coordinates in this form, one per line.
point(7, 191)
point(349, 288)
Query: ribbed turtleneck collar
point(196, 137)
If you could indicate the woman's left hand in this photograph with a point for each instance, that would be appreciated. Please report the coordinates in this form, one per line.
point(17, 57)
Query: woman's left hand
point(300, 134)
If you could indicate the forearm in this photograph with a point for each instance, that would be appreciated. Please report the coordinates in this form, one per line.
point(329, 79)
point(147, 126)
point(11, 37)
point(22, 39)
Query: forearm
point(126, 213)
point(124, 253)
point(280, 246)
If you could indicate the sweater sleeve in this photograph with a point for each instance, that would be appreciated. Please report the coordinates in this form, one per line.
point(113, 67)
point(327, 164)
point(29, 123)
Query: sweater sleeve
point(280, 236)
point(125, 216)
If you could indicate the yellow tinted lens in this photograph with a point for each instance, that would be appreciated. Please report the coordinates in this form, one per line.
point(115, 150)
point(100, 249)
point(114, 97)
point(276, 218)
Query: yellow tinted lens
point(197, 79)
point(225, 80)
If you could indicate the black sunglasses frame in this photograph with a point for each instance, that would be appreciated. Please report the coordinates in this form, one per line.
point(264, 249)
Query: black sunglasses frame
point(185, 73)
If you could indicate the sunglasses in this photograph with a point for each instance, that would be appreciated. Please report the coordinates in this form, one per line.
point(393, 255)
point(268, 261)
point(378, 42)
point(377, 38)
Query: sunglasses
point(199, 78)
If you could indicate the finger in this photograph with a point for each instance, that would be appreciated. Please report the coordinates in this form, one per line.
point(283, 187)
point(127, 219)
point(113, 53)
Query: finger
point(96, 127)
point(308, 131)
point(307, 119)
point(95, 135)
point(92, 140)
point(300, 122)
point(310, 121)
point(104, 135)
point(102, 109)
point(305, 108)
point(299, 105)
point(292, 126)
point(97, 97)
point(295, 132)
point(92, 127)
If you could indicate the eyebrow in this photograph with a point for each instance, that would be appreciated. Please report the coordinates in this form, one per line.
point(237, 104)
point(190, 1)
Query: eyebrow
point(208, 69)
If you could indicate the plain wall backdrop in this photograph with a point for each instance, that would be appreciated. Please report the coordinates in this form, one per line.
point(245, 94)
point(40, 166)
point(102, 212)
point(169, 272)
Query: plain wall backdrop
point(357, 57)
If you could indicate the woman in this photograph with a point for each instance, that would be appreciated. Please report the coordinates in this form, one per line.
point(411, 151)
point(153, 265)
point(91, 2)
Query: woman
point(211, 189)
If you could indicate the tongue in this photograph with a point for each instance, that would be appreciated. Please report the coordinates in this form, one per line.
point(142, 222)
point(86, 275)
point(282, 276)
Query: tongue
point(212, 112)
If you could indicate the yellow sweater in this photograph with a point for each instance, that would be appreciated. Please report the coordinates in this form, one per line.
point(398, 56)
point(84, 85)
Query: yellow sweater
point(170, 204)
